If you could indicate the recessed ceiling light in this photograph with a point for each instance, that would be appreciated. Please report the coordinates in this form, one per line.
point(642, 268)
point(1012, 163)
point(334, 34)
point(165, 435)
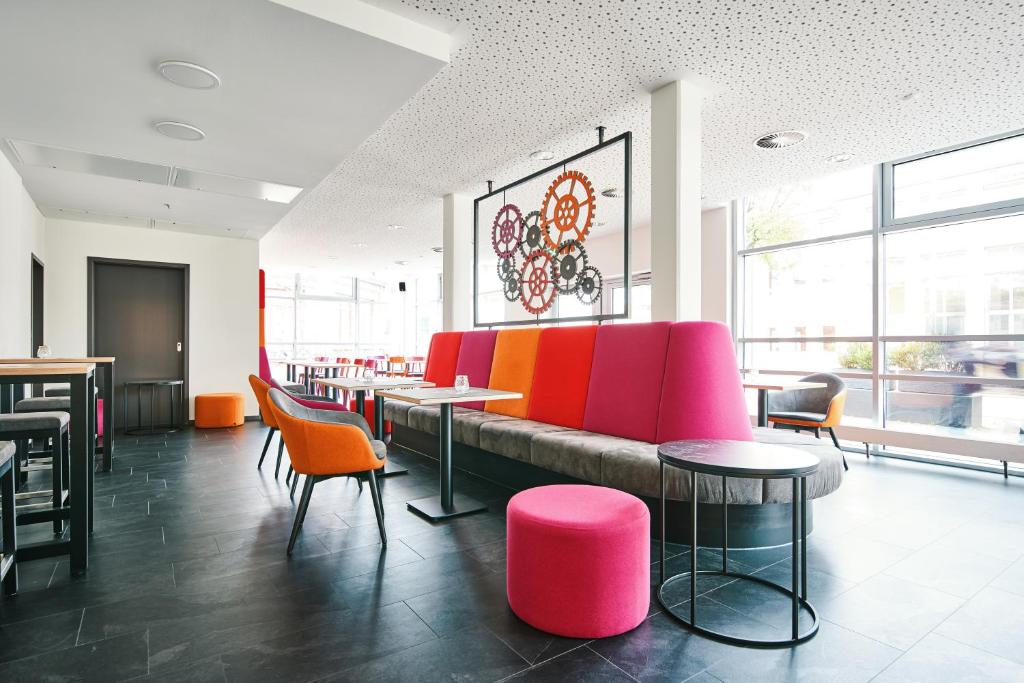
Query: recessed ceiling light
point(359, 245)
point(780, 139)
point(332, 258)
point(840, 158)
point(179, 130)
point(612, 192)
point(188, 75)
point(542, 155)
point(395, 226)
point(401, 263)
point(437, 250)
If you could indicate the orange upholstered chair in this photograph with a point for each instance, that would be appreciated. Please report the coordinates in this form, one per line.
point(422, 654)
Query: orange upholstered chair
point(327, 443)
point(515, 354)
point(261, 389)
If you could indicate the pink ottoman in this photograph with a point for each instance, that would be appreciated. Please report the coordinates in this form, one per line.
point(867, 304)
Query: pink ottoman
point(579, 560)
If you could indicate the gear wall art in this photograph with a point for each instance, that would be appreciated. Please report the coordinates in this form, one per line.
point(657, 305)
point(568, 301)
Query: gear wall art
point(539, 241)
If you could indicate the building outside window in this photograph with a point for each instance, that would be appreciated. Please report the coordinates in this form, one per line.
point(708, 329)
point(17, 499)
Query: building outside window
point(913, 271)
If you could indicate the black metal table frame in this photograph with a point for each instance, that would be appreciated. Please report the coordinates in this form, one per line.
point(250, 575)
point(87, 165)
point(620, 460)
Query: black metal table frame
point(83, 441)
point(378, 426)
point(798, 593)
point(448, 504)
point(153, 384)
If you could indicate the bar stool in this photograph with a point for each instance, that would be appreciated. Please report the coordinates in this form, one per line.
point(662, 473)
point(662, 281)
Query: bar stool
point(9, 549)
point(52, 427)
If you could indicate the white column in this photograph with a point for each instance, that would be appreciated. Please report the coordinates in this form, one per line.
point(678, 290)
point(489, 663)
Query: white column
point(675, 202)
point(457, 276)
point(716, 264)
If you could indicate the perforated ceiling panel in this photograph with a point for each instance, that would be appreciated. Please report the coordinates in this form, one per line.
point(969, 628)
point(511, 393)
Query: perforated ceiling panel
point(535, 75)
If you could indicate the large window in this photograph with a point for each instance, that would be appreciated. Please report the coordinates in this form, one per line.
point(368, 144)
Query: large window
point(324, 314)
point(907, 279)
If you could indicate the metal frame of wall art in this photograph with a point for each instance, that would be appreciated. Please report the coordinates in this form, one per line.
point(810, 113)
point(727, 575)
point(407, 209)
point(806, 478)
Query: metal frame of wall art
point(541, 247)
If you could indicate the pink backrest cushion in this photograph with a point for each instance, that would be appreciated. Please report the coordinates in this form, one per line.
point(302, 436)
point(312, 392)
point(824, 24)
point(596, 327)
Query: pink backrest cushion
point(625, 380)
point(475, 356)
point(264, 366)
point(702, 395)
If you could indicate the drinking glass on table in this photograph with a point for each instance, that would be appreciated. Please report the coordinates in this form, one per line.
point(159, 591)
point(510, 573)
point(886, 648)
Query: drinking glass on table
point(462, 384)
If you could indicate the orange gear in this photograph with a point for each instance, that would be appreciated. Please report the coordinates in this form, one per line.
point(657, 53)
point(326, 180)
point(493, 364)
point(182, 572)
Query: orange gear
point(568, 209)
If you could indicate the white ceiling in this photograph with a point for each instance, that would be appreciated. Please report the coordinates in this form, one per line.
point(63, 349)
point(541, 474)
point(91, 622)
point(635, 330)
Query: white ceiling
point(532, 75)
point(298, 94)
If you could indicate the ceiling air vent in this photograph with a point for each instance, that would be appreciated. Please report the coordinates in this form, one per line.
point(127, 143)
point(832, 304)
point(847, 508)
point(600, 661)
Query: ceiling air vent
point(780, 139)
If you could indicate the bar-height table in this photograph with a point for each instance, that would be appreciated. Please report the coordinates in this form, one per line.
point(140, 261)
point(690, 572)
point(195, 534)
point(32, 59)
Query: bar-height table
point(360, 385)
point(82, 378)
point(448, 504)
point(766, 383)
point(105, 365)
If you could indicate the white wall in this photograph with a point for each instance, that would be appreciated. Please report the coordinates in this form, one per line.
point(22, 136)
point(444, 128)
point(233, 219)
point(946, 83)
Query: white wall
point(716, 265)
point(223, 296)
point(21, 235)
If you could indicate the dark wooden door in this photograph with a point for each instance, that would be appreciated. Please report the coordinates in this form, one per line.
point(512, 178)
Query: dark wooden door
point(139, 317)
point(37, 305)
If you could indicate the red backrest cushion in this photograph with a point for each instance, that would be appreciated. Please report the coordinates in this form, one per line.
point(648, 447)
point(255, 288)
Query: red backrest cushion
point(625, 381)
point(442, 358)
point(702, 396)
point(475, 356)
point(561, 375)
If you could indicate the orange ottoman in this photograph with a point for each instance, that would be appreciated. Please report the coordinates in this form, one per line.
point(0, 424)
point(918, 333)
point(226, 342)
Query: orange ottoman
point(219, 410)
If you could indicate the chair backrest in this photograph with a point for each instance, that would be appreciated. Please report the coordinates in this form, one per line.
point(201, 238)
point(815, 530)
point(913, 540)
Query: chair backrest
point(625, 380)
point(702, 393)
point(265, 373)
point(334, 445)
point(808, 400)
point(260, 389)
point(475, 357)
point(515, 353)
point(561, 375)
point(442, 358)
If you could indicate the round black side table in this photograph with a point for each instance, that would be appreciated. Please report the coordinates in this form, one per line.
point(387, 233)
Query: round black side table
point(749, 460)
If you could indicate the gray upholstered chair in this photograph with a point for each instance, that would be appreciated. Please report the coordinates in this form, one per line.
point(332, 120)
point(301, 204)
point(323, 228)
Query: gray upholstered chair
point(810, 409)
point(328, 443)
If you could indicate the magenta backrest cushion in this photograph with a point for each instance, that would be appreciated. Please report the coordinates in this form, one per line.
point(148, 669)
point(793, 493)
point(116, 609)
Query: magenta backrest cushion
point(625, 380)
point(475, 356)
point(702, 397)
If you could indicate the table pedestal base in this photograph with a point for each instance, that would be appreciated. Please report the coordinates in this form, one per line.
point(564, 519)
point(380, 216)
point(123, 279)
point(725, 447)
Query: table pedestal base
point(432, 509)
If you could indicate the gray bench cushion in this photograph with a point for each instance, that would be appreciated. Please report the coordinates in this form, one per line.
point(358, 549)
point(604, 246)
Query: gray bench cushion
point(823, 482)
point(64, 390)
point(397, 411)
point(7, 451)
point(513, 438)
point(428, 418)
point(468, 424)
point(575, 453)
point(11, 423)
point(43, 403)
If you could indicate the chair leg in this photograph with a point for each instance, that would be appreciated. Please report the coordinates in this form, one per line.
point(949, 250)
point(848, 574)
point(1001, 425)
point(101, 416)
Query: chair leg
point(280, 452)
point(817, 433)
point(832, 433)
point(56, 463)
point(359, 480)
point(288, 477)
point(266, 447)
point(10, 543)
point(295, 482)
point(378, 507)
point(300, 513)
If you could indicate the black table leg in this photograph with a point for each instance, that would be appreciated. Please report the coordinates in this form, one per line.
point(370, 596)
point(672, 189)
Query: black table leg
point(108, 415)
point(795, 599)
point(80, 433)
point(725, 527)
point(661, 558)
point(449, 504)
point(389, 469)
point(309, 380)
point(10, 531)
point(693, 548)
point(91, 391)
point(361, 402)
point(762, 407)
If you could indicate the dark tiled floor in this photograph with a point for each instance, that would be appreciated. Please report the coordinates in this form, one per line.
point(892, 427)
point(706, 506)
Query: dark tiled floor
point(917, 572)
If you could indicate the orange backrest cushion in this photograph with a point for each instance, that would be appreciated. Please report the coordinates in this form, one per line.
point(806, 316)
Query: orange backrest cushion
point(442, 358)
point(515, 353)
point(561, 375)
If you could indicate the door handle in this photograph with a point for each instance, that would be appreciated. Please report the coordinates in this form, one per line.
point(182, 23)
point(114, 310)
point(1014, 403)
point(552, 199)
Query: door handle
point(179, 347)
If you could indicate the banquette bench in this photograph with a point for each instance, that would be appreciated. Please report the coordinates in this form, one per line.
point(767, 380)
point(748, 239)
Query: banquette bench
point(596, 402)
